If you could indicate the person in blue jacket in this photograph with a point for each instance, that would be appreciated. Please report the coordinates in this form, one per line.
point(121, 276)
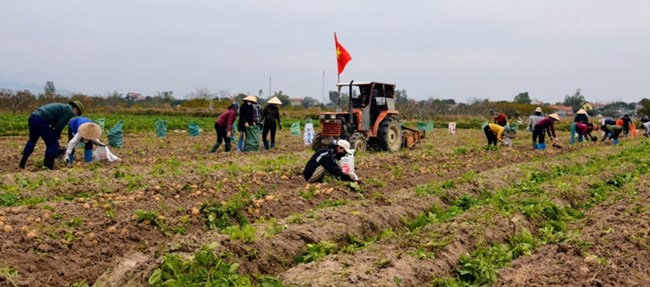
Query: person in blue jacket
point(84, 130)
point(47, 122)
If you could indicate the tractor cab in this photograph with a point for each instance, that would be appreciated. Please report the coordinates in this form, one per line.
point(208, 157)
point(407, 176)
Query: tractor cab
point(369, 100)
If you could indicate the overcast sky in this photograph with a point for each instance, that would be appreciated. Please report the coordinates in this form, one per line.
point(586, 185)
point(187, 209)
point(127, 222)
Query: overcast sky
point(442, 49)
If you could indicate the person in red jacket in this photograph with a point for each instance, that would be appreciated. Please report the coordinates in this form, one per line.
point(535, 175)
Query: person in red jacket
point(501, 119)
point(223, 127)
point(545, 125)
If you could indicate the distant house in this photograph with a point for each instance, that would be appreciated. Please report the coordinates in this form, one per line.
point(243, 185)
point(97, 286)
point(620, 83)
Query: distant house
point(296, 101)
point(135, 96)
point(561, 110)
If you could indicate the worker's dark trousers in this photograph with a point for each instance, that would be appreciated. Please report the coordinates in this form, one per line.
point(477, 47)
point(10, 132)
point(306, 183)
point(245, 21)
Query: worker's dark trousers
point(222, 135)
point(538, 134)
point(491, 137)
point(265, 132)
point(40, 128)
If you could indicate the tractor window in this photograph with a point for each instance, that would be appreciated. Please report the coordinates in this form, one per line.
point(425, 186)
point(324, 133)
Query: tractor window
point(363, 99)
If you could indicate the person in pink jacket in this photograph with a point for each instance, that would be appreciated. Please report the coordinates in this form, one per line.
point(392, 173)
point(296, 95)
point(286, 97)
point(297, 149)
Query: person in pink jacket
point(223, 127)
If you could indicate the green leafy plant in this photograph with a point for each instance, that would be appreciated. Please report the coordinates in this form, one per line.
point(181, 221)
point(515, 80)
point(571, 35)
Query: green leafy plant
point(245, 233)
point(205, 269)
point(316, 251)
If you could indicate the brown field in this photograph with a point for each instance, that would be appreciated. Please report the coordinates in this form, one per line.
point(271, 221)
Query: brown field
point(583, 207)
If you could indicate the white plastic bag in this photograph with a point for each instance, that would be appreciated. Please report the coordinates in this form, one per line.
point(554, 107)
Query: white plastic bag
point(347, 165)
point(103, 153)
point(309, 133)
point(452, 128)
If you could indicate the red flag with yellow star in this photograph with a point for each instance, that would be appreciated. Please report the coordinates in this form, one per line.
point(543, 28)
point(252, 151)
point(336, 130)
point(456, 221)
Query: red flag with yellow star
point(342, 55)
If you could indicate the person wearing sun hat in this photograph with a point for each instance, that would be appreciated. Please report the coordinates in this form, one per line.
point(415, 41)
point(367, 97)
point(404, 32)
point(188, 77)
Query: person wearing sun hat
point(579, 126)
point(271, 117)
point(47, 122)
point(327, 159)
point(82, 129)
point(223, 127)
point(545, 125)
point(534, 119)
point(246, 119)
point(581, 117)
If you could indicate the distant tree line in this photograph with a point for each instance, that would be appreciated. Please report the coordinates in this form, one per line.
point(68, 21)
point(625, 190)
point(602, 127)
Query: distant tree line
point(202, 101)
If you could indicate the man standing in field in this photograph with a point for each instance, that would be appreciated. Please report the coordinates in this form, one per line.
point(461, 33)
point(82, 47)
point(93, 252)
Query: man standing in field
point(47, 122)
point(645, 122)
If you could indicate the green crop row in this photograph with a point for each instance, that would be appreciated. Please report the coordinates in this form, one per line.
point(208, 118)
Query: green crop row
point(16, 124)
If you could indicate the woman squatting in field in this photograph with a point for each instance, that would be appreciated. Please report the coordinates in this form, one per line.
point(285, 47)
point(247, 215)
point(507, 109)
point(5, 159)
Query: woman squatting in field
point(544, 125)
point(82, 129)
point(47, 122)
point(223, 127)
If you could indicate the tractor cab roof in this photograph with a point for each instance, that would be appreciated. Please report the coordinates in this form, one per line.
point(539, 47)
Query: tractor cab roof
point(362, 84)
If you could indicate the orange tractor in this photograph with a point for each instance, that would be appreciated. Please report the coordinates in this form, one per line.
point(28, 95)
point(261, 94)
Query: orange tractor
point(370, 120)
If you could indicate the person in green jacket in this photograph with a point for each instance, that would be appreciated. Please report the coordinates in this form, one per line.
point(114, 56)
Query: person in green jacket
point(47, 122)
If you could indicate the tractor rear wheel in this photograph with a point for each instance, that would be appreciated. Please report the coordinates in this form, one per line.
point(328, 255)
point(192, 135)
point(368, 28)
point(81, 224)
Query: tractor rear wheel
point(358, 142)
point(390, 135)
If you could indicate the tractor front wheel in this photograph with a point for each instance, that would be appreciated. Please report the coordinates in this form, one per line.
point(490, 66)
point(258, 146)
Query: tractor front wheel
point(358, 142)
point(390, 135)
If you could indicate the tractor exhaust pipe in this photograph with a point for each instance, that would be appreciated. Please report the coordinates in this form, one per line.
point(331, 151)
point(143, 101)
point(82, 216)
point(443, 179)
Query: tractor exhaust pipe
point(350, 127)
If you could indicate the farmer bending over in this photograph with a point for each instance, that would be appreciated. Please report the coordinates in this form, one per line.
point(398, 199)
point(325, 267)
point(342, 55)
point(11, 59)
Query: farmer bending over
point(47, 122)
point(612, 132)
point(545, 125)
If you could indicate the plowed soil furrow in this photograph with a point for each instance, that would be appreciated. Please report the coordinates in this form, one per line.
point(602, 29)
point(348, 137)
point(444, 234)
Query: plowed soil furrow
point(397, 255)
point(171, 176)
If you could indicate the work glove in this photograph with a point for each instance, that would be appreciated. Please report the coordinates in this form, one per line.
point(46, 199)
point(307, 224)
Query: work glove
point(359, 182)
point(246, 125)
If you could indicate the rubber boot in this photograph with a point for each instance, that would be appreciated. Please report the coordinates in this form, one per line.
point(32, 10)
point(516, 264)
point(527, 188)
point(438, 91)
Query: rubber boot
point(541, 146)
point(615, 142)
point(572, 140)
point(23, 162)
point(272, 145)
point(48, 162)
point(580, 138)
point(215, 147)
point(227, 146)
point(88, 155)
point(266, 145)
